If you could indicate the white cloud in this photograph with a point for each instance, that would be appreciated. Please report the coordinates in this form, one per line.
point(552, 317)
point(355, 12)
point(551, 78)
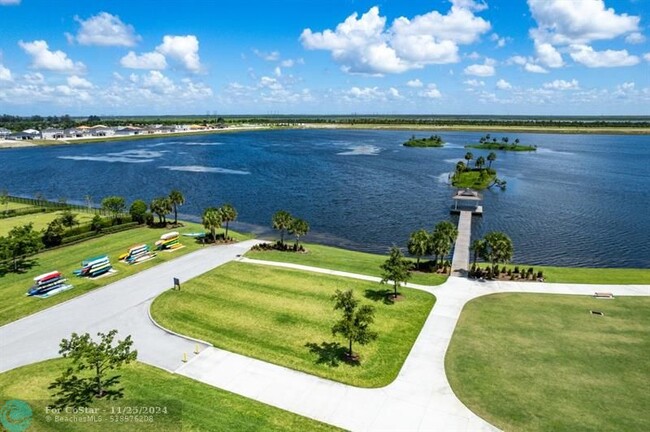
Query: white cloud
point(151, 60)
point(587, 56)
point(431, 92)
point(534, 68)
point(500, 41)
point(365, 45)
point(548, 55)
point(394, 93)
point(566, 22)
point(9, 2)
point(503, 85)
point(184, 49)
point(518, 60)
point(474, 83)
point(5, 74)
point(414, 83)
point(483, 70)
point(106, 30)
point(43, 58)
point(75, 81)
point(646, 56)
point(287, 63)
point(562, 85)
point(271, 56)
point(635, 38)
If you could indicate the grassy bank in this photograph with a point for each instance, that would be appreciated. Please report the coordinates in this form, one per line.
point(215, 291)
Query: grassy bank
point(473, 179)
point(543, 363)
point(285, 317)
point(40, 220)
point(585, 275)
point(202, 407)
point(343, 260)
point(13, 286)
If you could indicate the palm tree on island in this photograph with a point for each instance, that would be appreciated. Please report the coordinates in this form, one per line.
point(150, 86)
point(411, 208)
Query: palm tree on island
point(468, 157)
point(491, 158)
point(480, 162)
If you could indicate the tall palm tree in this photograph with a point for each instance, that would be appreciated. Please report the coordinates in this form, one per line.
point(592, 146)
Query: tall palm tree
point(228, 214)
point(468, 157)
point(162, 207)
point(460, 166)
point(505, 140)
point(299, 228)
point(480, 162)
point(282, 221)
point(491, 158)
point(212, 220)
point(478, 248)
point(419, 244)
point(444, 235)
point(516, 141)
point(176, 199)
point(498, 248)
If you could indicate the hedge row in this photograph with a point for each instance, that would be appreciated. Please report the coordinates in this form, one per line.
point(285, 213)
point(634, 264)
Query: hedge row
point(24, 211)
point(92, 234)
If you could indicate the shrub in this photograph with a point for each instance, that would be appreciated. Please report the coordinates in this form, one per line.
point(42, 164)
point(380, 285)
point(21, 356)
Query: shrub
point(516, 270)
point(503, 269)
point(540, 274)
point(509, 272)
point(530, 270)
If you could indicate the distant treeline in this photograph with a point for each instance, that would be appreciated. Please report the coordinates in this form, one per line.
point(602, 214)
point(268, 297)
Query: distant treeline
point(37, 122)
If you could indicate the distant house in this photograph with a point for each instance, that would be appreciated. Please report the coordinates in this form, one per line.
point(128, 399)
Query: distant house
point(129, 130)
point(32, 131)
point(102, 131)
point(76, 133)
point(181, 128)
point(4, 132)
point(23, 136)
point(52, 134)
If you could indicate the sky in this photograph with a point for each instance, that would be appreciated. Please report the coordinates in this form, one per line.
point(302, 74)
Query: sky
point(501, 57)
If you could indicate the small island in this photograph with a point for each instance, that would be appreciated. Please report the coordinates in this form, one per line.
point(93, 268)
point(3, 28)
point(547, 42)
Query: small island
point(478, 178)
point(432, 141)
point(490, 143)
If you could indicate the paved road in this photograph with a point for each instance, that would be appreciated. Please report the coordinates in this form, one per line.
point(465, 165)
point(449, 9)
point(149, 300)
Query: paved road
point(122, 305)
point(419, 399)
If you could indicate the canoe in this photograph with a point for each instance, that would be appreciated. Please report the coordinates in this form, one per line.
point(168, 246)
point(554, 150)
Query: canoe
point(169, 235)
point(47, 275)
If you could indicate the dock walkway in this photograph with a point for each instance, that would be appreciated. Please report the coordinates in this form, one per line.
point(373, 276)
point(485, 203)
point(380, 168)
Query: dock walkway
point(460, 260)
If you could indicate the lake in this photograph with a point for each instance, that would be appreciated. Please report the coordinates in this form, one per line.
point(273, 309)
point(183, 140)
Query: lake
point(580, 200)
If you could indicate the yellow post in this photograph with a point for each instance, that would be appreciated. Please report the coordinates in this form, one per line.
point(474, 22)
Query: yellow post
point(184, 357)
point(196, 348)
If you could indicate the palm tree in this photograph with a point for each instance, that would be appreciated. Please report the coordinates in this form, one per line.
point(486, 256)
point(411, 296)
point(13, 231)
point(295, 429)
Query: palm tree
point(419, 244)
point(516, 141)
point(161, 206)
point(468, 157)
point(505, 140)
point(299, 228)
point(282, 221)
point(228, 214)
point(176, 199)
point(440, 246)
point(212, 221)
point(480, 162)
point(498, 248)
point(491, 158)
point(444, 234)
point(478, 247)
point(460, 167)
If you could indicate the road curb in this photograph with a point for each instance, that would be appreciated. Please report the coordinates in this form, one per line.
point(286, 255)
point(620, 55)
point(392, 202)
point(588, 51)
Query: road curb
point(166, 330)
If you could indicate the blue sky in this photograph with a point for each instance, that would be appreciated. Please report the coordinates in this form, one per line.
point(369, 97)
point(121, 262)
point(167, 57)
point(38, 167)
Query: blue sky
point(317, 57)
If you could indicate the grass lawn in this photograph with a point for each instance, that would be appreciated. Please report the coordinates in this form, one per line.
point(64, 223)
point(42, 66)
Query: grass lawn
point(589, 275)
point(472, 179)
point(285, 316)
point(536, 362)
point(342, 260)
point(13, 286)
point(10, 205)
point(40, 220)
point(201, 408)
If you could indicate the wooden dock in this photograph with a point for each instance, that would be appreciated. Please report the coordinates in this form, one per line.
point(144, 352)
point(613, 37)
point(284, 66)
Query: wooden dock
point(460, 260)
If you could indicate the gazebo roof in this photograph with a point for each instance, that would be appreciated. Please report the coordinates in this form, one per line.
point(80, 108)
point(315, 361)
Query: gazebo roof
point(467, 195)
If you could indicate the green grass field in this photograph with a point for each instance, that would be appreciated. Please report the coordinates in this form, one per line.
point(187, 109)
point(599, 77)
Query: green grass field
point(529, 362)
point(276, 314)
point(10, 205)
point(13, 302)
point(472, 179)
point(194, 406)
point(40, 220)
point(343, 260)
point(589, 275)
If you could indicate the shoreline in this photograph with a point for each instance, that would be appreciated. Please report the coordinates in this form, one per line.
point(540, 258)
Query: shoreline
point(572, 130)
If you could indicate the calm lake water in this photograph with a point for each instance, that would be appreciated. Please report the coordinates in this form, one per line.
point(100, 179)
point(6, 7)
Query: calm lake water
point(580, 200)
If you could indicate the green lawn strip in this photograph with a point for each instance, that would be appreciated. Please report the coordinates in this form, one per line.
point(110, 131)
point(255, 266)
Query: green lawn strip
point(40, 220)
point(539, 362)
point(13, 286)
point(272, 314)
point(10, 205)
point(584, 275)
point(472, 179)
point(343, 260)
point(202, 407)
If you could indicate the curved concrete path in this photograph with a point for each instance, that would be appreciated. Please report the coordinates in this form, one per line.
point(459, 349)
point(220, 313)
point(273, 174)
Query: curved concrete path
point(419, 399)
